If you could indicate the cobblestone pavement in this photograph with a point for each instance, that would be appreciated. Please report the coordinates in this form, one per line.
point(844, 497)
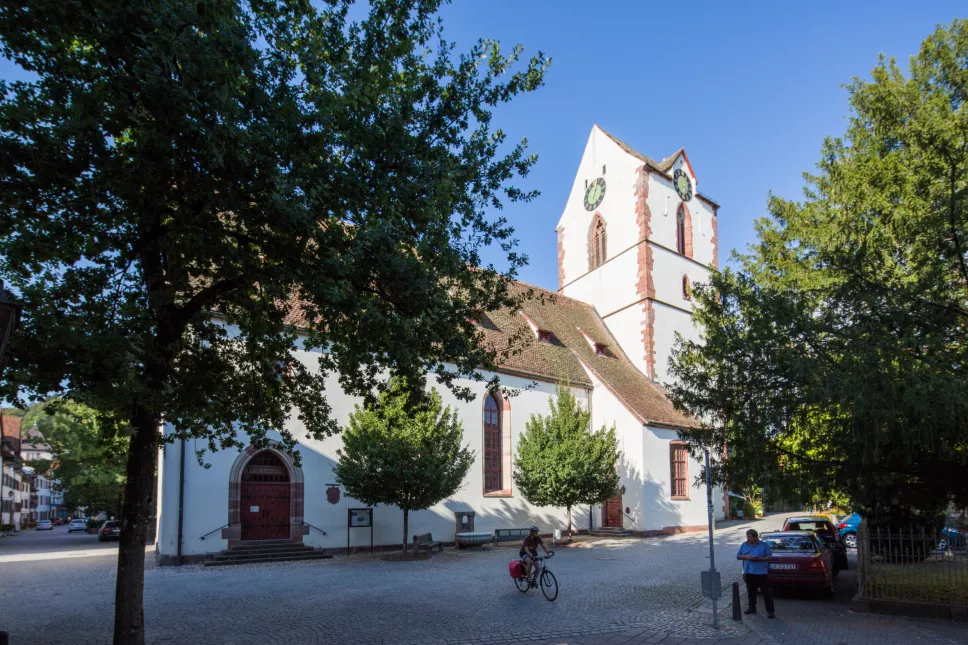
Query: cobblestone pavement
point(615, 592)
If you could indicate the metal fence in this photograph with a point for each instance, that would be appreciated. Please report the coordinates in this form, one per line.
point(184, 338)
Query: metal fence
point(912, 565)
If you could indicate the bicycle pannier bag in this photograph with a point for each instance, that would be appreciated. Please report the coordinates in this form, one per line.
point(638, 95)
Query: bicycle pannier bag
point(516, 569)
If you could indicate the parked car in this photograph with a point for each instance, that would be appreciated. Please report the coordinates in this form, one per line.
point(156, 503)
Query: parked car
point(827, 533)
point(111, 530)
point(45, 525)
point(77, 525)
point(848, 530)
point(952, 538)
point(57, 521)
point(800, 560)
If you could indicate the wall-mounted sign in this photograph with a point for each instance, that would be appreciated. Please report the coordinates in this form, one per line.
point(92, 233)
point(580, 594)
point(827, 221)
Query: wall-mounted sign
point(253, 509)
point(332, 494)
point(361, 517)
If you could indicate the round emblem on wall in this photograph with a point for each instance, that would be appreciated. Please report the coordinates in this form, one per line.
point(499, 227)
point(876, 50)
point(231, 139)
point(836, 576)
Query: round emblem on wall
point(683, 184)
point(594, 194)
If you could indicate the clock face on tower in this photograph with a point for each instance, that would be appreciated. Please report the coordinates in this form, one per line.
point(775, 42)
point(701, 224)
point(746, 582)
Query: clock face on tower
point(683, 185)
point(594, 194)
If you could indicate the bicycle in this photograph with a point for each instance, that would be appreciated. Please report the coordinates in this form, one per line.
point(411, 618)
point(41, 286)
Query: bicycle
point(540, 577)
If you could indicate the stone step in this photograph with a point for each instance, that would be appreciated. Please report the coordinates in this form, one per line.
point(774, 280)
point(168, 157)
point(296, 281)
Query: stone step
point(255, 559)
point(267, 549)
point(610, 532)
point(237, 555)
point(265, 542)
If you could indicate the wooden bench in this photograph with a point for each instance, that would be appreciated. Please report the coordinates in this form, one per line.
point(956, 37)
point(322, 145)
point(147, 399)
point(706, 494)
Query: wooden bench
point(426, 541)
point(507, 535)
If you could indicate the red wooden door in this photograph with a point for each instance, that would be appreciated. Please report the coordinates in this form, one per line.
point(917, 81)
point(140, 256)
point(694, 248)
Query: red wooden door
point(264, 511)
point(612, 512)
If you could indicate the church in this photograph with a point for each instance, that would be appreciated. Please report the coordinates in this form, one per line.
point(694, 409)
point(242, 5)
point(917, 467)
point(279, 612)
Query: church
point(635, 234)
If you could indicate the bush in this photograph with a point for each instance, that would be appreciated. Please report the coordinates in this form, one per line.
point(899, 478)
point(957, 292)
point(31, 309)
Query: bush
point(6, 528)
point(94, 524)
point(751, 509)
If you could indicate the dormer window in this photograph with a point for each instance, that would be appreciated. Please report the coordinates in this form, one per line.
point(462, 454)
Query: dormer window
point(545, 336)
point(601, 350)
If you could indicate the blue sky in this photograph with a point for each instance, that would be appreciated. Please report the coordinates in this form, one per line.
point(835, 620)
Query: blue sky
point(750, 92)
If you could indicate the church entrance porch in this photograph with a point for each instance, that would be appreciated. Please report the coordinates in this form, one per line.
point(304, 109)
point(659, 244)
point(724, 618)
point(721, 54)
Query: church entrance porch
point(612, 512)
point(265, 498)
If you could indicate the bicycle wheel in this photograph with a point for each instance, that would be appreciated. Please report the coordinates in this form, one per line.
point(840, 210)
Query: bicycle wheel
point(523, 584)
point(549, 585)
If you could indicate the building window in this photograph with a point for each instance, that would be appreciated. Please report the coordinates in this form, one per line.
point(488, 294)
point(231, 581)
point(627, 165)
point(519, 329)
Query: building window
point(679, 461)
point(545, 336)
point(597, 243)
point(492, 445)
point(600, 242)
point(681, 230)
point(686, 288)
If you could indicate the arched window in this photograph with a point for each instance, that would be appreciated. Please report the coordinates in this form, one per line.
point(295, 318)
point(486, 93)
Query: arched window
point(686, 288)
point(681, 230)
point(492, 445)
point(599, 242)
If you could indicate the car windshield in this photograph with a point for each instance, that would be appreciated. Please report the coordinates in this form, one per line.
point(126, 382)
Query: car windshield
point(111, 525)
point(791, 544)
point(808, 526)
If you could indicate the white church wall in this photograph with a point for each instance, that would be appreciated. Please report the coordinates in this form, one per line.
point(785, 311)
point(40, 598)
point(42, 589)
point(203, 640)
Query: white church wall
point(668, 269)
point(206, 489)
point(608, 287)
point(661, 511)
point(668, 321)
point(626, 327)
point(617, 208)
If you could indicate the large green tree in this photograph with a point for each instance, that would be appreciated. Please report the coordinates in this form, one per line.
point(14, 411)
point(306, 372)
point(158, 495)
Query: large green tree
point(90, 451)
point(185, 183)
point(561, 461)
point(404, 449)
point(835, 355)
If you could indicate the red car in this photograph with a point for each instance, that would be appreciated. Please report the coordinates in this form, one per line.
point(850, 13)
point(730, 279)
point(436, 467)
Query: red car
point(829, 536)
point(799, 560)
point(110, 531)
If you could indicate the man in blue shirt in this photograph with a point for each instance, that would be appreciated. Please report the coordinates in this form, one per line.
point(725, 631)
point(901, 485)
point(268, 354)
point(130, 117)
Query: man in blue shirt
point(756, 558)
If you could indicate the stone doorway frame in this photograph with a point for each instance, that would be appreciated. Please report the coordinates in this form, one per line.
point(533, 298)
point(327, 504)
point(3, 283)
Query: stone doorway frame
point(233, 532)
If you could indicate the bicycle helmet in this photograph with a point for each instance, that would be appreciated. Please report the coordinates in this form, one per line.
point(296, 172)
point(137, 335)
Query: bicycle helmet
point(533, 528)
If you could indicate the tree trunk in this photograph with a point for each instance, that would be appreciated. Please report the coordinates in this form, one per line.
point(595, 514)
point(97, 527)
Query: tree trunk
point(129, 614)
point(406, 518)
point(569, 520)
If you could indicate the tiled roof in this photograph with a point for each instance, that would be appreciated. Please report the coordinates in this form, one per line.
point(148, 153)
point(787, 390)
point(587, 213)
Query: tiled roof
point(562, 360)
point(11, 430)
point(565, 357)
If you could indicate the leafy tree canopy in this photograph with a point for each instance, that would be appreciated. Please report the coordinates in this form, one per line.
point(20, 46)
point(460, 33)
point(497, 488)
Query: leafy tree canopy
point(405, 450)
point(834, 355)
point(89, 451)
point(183, 183)
point(561, 462)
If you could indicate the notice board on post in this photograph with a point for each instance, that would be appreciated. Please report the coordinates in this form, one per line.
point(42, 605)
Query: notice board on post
point(359, 518)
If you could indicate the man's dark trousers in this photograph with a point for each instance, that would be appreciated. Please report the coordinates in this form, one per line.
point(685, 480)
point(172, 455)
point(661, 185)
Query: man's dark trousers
point(758, 581)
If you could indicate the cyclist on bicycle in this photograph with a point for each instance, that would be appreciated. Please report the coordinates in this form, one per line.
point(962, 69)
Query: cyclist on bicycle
point(529, 549)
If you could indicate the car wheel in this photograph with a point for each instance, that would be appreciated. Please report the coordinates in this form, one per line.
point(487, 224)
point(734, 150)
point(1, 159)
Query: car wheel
point(851, 540)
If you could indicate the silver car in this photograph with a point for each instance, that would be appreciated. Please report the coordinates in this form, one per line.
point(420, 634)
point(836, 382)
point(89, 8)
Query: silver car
point(45, 525)
point(77, 525)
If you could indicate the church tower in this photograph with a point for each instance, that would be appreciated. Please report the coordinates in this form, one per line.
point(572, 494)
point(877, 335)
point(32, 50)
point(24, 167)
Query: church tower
point(633, 237)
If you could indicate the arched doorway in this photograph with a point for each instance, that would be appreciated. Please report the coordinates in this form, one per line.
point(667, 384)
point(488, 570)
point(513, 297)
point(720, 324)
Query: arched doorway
point(264, 498)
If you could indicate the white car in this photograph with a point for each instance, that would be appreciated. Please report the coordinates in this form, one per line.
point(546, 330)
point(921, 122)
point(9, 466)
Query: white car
point(45, 525)
point(77, 525)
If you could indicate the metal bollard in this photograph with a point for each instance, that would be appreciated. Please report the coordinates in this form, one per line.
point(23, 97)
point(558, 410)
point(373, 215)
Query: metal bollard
point(737, 607)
